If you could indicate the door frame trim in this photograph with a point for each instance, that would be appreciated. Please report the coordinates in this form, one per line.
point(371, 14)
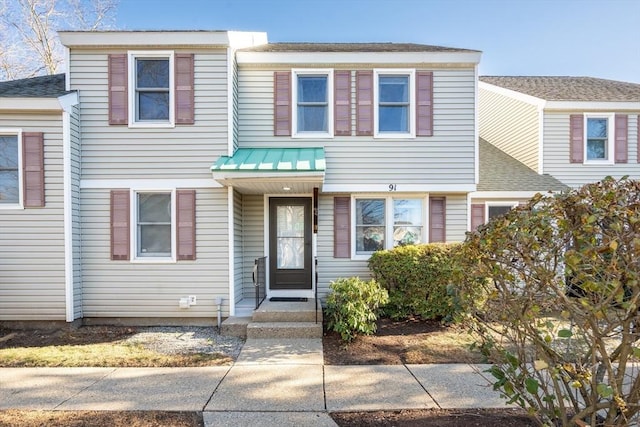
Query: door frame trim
point(297, 293)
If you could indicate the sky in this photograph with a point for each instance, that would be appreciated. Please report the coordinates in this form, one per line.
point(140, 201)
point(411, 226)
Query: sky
point(597, 38)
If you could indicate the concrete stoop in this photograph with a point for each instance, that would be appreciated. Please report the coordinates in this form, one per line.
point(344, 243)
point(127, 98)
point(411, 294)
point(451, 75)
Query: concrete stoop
point(278, 319)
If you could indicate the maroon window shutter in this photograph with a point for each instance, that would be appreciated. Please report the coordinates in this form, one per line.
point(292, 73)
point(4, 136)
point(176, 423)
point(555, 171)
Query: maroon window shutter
point(118, 96)
point(576, 138)
point(424, 103)
point(342, 100)
point(33, 169)
point(437, 219)
point(282, 103)
point(186, 220)
point(184, 93)
point(621, 138)
point(120, 218)
point(477, 215)
point(364, 103)
point(342, 227)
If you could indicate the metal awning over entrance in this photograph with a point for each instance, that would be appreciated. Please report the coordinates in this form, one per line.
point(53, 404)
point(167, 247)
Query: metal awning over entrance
point(272, 170)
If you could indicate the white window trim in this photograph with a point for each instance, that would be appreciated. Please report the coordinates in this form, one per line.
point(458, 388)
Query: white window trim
point(133, 228)
point(20, 205)
point(506, 203)
point(412, 102)
point(132, 56)
point(388, 219)
point(610, 160)
point(294, 102)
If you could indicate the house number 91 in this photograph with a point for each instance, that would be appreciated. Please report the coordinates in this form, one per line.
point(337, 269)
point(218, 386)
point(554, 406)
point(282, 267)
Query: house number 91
point(392, 187)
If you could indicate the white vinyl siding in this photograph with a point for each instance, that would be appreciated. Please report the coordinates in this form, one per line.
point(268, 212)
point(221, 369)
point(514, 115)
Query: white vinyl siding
point(32, 266)
point(120, 152)
point(446, 157)
point(238, 250)
point(252, 238)
point(511, 125)
point(143, 290)
point(456, 215)
point(556, 153)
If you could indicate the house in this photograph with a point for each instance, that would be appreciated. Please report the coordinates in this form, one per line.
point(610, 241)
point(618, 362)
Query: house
point(175, 163)
point(576, 129)
point(38, 181)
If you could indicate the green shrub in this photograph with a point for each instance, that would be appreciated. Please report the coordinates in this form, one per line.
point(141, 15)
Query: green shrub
point(352, 306)
point(418, 279)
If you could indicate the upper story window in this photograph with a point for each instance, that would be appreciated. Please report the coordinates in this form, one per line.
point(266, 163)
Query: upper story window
point(313, 103)
point(394, 94)
point(154, 225)
point(599, 139)
point(386, 222)
point(151, 79)
point(10, 160)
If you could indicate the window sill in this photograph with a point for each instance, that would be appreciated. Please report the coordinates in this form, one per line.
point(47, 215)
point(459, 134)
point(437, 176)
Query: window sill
point(598, 163)
point(311, 135)
point(11, 206)
point(361, 257)
point(153, 260)
point(151, 125)
point(394, 136)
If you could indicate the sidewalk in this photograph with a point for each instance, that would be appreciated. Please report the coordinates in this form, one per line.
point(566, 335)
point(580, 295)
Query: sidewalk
point(273, 382)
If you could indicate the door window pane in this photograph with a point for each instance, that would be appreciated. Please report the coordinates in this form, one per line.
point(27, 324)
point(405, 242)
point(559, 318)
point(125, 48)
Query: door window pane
point(290, 237)
point(312, 104)
point(370, 225)
point(407, 222)
point(154, 224)
point(9, 183)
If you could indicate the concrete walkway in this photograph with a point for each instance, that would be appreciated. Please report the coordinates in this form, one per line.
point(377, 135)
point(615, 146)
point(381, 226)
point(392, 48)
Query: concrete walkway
point(279, 382)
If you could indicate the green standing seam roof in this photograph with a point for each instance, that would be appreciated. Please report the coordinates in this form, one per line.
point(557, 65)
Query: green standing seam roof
point(309, 159)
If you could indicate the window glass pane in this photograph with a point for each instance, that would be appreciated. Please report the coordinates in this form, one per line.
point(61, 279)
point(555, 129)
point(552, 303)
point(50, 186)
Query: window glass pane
point(370, 225)
point(596, 149)
point(312, 119)
point(152, 73)
point(290, 221)
point(9, 191)
point(393, 88)
point(153, 105)
point(495, 211)
point(154, 208)
point(312, 89)
point(407, 212)
point(393, 119)
point(290, 236)
point(155, 240)
point(596, 128)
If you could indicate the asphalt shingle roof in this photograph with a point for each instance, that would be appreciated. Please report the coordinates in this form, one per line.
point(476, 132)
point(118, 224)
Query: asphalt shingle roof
point(566, 88)
point(34, 87)
point(501, 172)
point(352, 47)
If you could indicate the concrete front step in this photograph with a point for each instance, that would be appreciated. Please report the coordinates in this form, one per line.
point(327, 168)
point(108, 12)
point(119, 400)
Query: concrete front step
point(286, 311)
point(235, 326)
point(284, 330)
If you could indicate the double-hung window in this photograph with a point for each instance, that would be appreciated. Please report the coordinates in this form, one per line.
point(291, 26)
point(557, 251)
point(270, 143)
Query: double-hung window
point(313, 103)
point(394, 112)
point(10, 161)
point(151, 97)
point(599, 143)
point(496, 209)
point(386, 222)
point(154, 225)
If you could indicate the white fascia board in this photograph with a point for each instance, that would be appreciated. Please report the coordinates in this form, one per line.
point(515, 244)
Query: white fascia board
point(538, 102)
point(368, 58)
point(143, 38)
point(507, 194)
point(398, 188)
point(476, 126)
point(34, 104)
point(262, 176)
point(148, 184)
point(592, 106)
point(242, 39)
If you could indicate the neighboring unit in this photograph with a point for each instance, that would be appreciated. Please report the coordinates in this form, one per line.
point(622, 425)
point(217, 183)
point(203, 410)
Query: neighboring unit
point(576, 129)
